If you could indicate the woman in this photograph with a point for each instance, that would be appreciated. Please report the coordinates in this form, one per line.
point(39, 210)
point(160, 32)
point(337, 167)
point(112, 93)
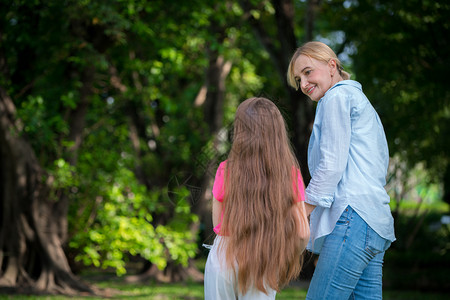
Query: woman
point(351, 222)
point(258, 210)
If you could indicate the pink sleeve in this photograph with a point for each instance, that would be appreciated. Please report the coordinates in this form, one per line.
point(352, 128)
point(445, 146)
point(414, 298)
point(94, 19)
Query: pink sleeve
point(217, 190)
point(300, 186)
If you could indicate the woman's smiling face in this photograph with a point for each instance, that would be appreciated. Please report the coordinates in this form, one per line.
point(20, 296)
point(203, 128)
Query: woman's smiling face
point(315, 77)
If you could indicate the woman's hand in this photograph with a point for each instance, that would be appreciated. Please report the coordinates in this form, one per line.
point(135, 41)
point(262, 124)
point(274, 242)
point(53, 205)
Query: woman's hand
point(309, 208)
point(303, 224)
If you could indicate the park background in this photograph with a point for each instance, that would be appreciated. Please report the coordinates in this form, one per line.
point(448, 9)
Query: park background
point(115, 114)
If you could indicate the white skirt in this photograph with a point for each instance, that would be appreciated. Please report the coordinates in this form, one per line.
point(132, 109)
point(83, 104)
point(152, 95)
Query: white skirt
point(220, 282)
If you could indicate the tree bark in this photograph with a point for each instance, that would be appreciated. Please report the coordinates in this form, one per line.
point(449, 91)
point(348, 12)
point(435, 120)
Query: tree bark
point(213, 105)
point(310, 17)
point(31, 252)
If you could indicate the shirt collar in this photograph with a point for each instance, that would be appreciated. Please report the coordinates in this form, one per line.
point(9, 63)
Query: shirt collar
point(344, 82)
point(347, 82)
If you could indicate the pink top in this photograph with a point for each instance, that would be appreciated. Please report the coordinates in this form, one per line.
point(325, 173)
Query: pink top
point(219, 193)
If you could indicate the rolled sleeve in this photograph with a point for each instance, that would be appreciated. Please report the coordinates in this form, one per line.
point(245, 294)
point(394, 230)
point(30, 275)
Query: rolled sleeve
point(316, 201)
point(218, 190)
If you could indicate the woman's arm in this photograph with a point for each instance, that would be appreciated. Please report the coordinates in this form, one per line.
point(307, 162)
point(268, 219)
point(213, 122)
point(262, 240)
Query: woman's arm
point(303, 229)
point(309, 208)
point(333, 150)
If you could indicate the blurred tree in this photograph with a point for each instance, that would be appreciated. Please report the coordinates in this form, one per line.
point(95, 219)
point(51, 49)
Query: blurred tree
point(34, 220)
point(31, 251)
point(80, 90)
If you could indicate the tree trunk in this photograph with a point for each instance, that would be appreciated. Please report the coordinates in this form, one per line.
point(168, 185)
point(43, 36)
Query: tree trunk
point(213, 104)
point(300, 108)
point(310, 17)
point(31, 252)
point(299, 104)
point(172, 273)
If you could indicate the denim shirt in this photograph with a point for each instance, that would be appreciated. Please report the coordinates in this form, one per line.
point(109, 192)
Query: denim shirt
point(348, 159)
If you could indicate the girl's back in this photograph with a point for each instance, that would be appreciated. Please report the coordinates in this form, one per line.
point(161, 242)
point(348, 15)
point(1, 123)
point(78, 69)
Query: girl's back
point(263, 220)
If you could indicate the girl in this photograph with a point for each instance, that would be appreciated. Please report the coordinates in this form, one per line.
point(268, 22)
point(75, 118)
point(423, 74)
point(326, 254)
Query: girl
point(258, 209)
point(351, 221)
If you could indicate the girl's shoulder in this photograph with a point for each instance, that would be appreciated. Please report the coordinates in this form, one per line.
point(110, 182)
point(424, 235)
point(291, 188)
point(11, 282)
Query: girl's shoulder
point(218, 190)
point(222, 165)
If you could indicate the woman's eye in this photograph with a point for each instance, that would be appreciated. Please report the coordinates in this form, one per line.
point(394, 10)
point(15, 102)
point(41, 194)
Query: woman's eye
point(307, 72)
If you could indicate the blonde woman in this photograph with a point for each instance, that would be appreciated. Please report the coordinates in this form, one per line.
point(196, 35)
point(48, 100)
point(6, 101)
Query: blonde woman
point(258, 210)
point(351, 222)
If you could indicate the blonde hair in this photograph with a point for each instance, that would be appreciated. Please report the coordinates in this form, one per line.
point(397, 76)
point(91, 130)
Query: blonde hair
point(261, 217)
point(316, 50)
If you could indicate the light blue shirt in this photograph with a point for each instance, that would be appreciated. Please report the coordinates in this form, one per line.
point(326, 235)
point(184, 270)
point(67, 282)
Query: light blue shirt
point(348, 159)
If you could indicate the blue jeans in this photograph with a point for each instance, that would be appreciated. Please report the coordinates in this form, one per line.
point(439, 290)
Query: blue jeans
point(350, 262)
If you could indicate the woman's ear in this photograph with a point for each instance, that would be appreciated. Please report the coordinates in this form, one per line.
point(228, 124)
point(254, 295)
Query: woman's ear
point(332, 66)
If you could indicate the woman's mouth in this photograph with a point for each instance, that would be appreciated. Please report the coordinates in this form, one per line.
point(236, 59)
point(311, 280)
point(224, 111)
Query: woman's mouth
point(310, 90)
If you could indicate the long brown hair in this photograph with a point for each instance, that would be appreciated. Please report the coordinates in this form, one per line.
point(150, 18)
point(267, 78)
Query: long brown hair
point(262, 218)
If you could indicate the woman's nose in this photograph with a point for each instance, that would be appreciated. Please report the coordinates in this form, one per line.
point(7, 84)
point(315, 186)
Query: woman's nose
point(303, 84)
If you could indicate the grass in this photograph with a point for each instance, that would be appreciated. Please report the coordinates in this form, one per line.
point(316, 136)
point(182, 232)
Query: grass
point(194, 291)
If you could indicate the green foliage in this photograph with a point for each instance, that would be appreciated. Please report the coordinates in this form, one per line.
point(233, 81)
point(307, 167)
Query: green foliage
point(112, 213)
point(421, 253)
point(124, 224)
point(63, 174)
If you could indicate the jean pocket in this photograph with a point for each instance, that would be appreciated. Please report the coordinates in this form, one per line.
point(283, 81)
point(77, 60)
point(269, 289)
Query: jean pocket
point(375, 244)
